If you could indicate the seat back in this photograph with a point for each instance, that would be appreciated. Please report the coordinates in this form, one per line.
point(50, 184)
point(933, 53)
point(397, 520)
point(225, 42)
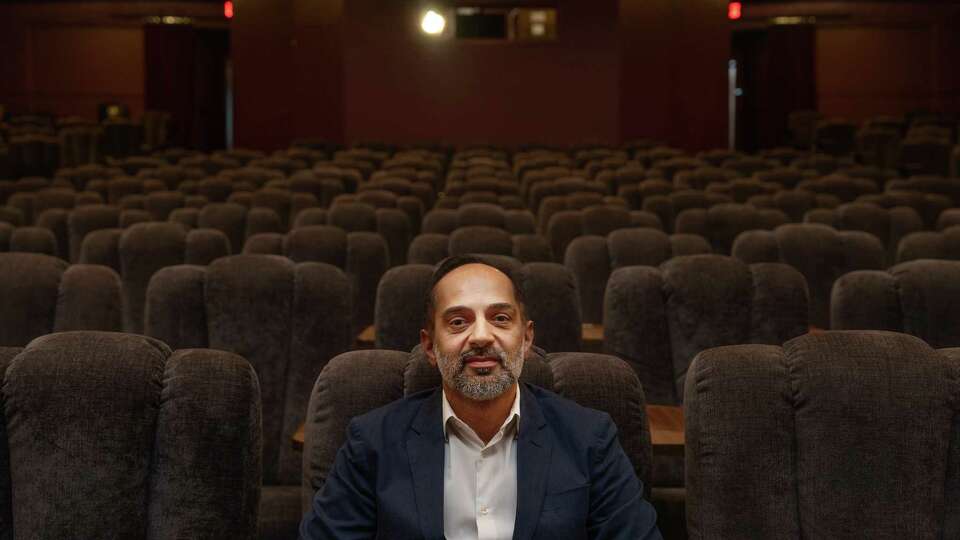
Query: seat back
point(42, 294)
point(920, 298)
point(787, 442)
point(658, 319)
point(821, 253)
point(592, 258)
point(286, 319)
point(109, 435)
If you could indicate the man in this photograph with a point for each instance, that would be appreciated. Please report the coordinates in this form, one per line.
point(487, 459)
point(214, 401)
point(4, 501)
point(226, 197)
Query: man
point(484, 457)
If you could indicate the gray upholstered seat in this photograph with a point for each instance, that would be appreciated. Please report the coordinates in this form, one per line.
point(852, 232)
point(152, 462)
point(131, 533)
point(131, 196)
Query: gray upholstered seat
point(658, 319)
point(888, 225)
point(287, 320)
point(592, 258)
point(669, 206)
point(566, 225)
point(391, 223)
point(943, 244)
point(431, 248)
point(109, 435)
point(833, 435)
point(139, 251)
point(795, 203)
point(843, 187)
point(238, 222)
point(445, 221)
point(42, 294)
point(549, 289)
point(821, 253)
point(921, 298)
point(359, 381)
point(928, 205)
point(721, 223)
point(362, 255)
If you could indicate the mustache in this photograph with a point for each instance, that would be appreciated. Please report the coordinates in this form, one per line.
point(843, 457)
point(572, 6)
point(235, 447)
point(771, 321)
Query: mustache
point(486, 352)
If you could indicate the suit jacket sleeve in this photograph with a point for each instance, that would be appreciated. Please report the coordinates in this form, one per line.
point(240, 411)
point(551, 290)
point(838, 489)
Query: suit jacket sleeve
point(345, 507)
point(617, 507)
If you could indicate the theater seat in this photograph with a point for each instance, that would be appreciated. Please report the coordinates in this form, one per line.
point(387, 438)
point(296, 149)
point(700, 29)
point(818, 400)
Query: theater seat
point(108, 435)
point(362, 255)
point(592, 259)
point(287, 320)
point(658, 319)
point(42, 294)
point(359, 381)
point(921, 298)
point(138, 252)
point(888, 225)
point(821, 253)
point(431, 248)
point(720, 224)
point(943, 244)
point(832, 435)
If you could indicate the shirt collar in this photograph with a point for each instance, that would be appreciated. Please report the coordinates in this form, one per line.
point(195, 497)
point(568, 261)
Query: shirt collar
point(514, 413)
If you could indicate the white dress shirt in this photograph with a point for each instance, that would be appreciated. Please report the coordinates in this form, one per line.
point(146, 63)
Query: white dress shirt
point(479, 480)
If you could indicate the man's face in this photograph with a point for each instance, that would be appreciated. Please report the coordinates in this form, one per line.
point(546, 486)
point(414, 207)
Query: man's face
point(479, 338)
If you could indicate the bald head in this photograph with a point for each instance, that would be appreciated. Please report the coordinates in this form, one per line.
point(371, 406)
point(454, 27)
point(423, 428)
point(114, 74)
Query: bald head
point(465, 274)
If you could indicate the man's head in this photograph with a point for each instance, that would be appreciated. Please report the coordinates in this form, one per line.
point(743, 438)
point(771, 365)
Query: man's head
point(476, 332)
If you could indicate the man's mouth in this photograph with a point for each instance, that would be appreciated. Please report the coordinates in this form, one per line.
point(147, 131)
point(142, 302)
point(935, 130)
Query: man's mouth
point(482, 362)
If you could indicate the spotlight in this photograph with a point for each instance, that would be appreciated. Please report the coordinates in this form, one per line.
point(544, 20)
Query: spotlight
point(433, 23)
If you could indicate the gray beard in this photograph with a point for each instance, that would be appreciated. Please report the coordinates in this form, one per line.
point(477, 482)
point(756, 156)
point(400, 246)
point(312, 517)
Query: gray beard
point(486, 385)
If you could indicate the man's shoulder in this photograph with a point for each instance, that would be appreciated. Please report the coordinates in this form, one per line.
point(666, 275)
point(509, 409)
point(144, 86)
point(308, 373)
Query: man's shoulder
point(396, 415)
point(566, 414)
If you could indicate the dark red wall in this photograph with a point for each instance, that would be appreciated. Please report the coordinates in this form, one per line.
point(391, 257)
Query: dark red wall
point(674, 71)
point(362, 70)
point(286, 58)
point(405, 86)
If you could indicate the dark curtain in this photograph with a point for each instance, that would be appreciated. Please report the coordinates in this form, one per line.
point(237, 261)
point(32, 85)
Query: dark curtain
point(185, 76)
point(777, 72)
point(169, 74)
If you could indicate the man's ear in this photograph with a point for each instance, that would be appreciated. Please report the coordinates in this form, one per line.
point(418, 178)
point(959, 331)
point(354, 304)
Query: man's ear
point(528, 336)
point(426, 343)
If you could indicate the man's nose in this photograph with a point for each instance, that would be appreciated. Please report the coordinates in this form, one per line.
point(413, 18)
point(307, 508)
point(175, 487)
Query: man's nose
point(482, 334)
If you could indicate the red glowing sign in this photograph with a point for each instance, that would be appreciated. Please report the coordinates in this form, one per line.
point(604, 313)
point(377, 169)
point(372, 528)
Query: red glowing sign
point(228, 9)
point(734, 11)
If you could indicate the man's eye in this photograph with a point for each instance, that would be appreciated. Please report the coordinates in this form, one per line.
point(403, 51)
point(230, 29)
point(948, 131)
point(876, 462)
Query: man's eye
point(502, 318)
point(457, 322)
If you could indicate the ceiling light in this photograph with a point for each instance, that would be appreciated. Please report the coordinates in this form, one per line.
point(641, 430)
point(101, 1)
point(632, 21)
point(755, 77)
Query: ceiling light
point(433, 23)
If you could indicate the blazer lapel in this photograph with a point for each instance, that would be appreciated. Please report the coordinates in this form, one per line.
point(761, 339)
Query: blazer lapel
point(533, 461)
point(425, 451)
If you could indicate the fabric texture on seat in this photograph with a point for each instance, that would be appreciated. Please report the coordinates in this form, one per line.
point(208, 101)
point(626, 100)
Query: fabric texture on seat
point(786, 442)
point(658, 319)
point(109, 435)
point(822, 254)
point(42, 294)
point(920, 298)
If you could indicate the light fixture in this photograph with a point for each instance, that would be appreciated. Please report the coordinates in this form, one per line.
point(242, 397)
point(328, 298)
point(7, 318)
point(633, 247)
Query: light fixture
point(433, 23)
point(228, 9)
point(734, 11)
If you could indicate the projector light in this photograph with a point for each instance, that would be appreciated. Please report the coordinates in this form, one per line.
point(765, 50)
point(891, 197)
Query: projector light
point(433, 23)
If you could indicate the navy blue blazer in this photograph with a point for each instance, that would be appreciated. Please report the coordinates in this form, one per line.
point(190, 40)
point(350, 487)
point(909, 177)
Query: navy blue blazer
point(573, 478)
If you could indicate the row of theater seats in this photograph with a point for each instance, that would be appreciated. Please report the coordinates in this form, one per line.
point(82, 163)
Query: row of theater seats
point(119, 436)
point(917, 143)
point(346, 226)
point(288, 318)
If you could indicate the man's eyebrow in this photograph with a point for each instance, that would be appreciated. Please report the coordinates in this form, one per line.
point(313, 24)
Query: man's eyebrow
point(451, 310)
point(503, 306)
